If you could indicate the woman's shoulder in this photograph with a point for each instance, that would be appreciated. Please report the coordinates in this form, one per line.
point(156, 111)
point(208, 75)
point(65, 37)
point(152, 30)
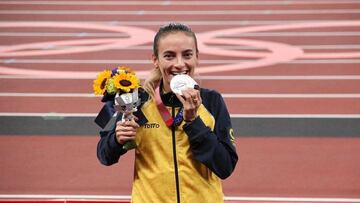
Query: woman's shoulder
point(211, 98)
point(206, 93)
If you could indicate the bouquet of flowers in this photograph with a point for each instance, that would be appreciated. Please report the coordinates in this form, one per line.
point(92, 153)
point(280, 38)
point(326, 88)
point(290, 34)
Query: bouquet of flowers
point(122, 84)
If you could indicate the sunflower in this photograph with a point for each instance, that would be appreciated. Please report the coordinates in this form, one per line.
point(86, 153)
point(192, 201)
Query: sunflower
point(100, 82)
point(126, 82)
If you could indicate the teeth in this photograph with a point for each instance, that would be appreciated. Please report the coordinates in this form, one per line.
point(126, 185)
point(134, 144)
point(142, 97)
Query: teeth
point(179, 73)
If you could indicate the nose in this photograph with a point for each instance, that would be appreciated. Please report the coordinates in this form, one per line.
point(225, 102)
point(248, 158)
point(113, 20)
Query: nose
point(180, 62)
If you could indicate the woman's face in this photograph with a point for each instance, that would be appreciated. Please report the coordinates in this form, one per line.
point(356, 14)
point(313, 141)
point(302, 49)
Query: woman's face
point(177, 55)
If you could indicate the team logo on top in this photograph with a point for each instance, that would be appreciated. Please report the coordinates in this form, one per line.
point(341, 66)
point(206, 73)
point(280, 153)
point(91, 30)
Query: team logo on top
point(232, 137)
point(152, 125)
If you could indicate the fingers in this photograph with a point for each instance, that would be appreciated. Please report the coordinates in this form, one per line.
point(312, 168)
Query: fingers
point(127, 123)
point(191, 97)
point(126, 130)
point(191, 101)
point(129, 116)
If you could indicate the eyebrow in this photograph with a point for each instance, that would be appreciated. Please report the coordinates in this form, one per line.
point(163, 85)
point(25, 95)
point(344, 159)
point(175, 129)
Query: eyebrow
point(188, 50)
point(170, 51)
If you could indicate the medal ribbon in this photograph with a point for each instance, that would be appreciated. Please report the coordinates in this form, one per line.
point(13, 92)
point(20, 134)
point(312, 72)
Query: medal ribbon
point(165, 114)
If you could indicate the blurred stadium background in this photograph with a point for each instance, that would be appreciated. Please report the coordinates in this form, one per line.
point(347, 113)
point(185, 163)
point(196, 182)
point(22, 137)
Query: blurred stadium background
point(288, 70)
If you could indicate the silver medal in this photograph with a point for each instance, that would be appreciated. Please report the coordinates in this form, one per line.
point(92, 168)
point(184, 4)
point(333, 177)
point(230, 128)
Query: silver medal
point(181, 82)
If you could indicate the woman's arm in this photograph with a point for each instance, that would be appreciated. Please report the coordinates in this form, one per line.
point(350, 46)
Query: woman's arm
point(216, 149)
point(108, 148)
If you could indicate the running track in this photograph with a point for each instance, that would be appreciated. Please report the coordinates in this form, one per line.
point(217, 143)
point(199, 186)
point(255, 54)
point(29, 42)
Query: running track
point(288, 70)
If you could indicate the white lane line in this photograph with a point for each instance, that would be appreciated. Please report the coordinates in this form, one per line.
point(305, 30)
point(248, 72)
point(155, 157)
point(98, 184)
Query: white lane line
point(13, 94)
point(285, 95)
point(54, 114)
point(292, 199)
point(182, 13)
point(232, 47)
point(330, 46)
point(33, 77)
point(227, 198)
point(323, 61)
point(119, 61)
point(65, 34)
point(168, 3)
point(50, 114)
point(294, 34)
point(218, 77)
point(295, 115)
point(73, 61)
point(282, 77)
point(197, 23)
point(106, 197)
point(329, 96)
point(264, 34)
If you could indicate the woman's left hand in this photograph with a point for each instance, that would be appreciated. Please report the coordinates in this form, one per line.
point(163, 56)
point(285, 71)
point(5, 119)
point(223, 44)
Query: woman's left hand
point(191, 101)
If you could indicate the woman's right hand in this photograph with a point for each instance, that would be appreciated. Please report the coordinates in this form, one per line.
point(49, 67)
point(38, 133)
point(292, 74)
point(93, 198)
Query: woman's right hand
point(126, 130)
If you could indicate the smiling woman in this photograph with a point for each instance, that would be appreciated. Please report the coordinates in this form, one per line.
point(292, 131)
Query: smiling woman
point(177, 55)
point(184, 140)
